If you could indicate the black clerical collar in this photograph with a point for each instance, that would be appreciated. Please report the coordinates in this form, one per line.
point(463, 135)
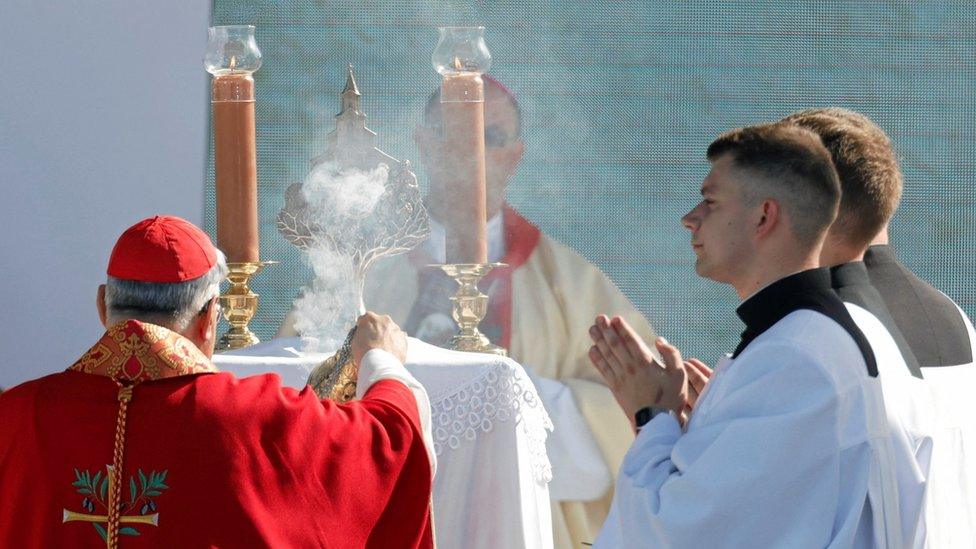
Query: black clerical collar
point(880, 253)
point(852, 283)
point(770, 304)
point(853, 273)
point(808, 289)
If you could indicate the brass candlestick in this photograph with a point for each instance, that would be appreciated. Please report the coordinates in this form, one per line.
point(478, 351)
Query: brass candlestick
point(469, 307)
point(239, 304)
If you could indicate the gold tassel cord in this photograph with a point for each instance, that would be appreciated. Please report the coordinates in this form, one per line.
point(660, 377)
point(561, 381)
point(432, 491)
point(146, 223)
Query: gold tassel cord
point(115, 494)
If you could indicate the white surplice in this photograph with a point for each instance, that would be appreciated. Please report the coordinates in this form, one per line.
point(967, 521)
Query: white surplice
point(929, 408)
point(951, 518)
point(786, 448)
point(911, 413)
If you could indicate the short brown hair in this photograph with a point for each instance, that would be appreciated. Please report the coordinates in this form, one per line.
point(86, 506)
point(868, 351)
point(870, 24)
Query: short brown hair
point(870, 179)
point(793, 167)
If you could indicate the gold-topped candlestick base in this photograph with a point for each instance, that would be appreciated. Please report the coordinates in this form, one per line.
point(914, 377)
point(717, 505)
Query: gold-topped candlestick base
point(239, 305)
point(469, 307)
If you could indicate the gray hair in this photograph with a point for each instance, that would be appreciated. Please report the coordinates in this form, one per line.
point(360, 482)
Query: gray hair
point(171, 305)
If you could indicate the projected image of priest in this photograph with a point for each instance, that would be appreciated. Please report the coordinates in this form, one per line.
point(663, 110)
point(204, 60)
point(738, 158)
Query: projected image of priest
point(539, 308)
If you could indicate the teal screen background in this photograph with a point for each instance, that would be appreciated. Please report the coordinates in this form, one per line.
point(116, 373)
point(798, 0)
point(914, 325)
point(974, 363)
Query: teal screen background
point(620, 101)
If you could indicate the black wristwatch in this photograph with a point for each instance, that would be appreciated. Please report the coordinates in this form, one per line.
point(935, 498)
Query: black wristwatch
point(646, 414)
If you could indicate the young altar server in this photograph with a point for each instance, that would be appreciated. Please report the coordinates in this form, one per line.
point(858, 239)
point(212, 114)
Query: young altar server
point(871, 183)
point(142, 442)
point(788, 445)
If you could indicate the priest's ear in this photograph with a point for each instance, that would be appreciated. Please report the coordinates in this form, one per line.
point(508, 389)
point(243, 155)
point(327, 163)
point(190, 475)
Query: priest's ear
point(100, 303)
point(767, 218)
point(205, 323)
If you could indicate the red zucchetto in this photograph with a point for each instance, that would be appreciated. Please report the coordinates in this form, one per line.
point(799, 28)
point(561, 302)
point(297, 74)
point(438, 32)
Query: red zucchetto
point(163, 248)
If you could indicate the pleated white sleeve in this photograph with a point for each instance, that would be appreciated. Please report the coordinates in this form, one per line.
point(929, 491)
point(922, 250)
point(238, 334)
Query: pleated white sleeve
point(776, 455)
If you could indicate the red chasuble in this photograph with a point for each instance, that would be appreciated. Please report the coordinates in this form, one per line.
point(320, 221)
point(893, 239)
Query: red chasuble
point(208, 460)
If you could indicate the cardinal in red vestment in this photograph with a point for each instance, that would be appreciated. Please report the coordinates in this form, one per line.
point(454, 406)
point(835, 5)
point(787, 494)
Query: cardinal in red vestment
point(143, 443)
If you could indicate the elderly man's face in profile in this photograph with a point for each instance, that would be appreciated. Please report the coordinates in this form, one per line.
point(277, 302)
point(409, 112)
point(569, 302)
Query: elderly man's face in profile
point(503, 147)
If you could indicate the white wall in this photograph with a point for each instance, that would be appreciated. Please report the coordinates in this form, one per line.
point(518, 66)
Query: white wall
point(103, 108)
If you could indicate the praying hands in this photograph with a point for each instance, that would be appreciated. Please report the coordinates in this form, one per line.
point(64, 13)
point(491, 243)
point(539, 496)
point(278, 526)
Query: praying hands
point(634, 375)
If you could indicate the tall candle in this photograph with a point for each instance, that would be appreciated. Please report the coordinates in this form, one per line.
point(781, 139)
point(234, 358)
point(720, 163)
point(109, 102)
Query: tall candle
point(232, 56)
point(235, 166)
point(463, 119)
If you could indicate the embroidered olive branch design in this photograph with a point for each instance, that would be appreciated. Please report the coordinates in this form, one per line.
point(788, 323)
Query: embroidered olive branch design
point(95, 489)
point(149, 488)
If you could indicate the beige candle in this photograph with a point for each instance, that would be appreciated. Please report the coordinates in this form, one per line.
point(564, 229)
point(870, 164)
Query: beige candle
point(463, 116)
point(235, 166)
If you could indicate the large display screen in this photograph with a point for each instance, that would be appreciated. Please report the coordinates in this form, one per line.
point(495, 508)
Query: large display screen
point(619, 102)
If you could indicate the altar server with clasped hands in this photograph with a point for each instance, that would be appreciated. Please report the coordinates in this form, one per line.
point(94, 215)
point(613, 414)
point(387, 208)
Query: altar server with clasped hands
point(786, 444)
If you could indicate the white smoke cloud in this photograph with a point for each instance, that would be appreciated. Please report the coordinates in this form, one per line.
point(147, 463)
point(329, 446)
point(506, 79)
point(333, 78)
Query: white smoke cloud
point(324, 310)
point(338, 200)
point(343, 195)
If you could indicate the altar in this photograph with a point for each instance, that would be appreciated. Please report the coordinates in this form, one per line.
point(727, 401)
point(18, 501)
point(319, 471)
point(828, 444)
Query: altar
point(490, 428)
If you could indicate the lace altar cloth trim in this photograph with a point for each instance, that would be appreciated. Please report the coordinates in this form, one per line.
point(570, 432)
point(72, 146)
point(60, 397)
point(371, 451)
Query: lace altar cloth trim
point(503, 393)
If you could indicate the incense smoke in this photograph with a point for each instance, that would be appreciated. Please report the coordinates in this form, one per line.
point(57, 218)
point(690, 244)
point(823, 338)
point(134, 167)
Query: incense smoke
point(324, 307)
point(342, 203)
point(557, 120)
point(341, 195)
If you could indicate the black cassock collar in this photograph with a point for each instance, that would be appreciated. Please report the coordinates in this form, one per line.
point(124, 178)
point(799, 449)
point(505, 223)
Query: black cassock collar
point(929, 320)
point(853, 285)
point(880, 254)
point(809, 290)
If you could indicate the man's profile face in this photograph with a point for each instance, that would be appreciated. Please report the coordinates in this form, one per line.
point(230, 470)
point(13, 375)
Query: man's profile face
point(719, 224)
point(503, 147)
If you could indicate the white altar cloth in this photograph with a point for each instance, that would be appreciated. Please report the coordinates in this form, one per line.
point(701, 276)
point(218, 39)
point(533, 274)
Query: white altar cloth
point(490, 428)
